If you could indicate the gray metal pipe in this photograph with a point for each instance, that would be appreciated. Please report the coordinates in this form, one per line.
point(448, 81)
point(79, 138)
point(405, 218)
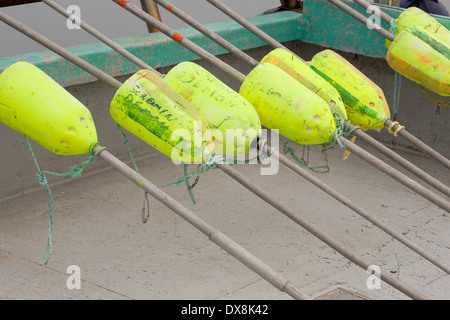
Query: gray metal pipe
point(181, 40)
point(100, 36)
point(214, 235)
point(360, 211)
point(290, 213)
point(418, 143)
point(402, 161)
point(299, 170)
point(207, 32)
point(395, 174)
point(250, 27)
point(361, 18)
point(383, 15)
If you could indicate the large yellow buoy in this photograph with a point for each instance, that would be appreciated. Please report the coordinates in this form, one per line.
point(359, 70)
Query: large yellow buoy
point(149, 108)
point(34, 104)
point(364, 101)
point(300, 71)
point(414, 16)
point(233, 122)
point(285, 104)
point(421, 57)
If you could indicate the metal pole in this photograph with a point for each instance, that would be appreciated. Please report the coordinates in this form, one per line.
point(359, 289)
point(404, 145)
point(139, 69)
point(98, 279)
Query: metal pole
point(181, 40)
point(304, 173)
point(275, 44)
point(250, 27)
point(151, 8)
point(419, 144)
point(207, 32)
point(227, 68)
point(358, 260)
point(214, 235)
point(232, 49)
point(361, 18)
point(102, 38)
point(252, 186)
point(360, 211)
point(400, 160)
point(383, 15)
point(395, 174)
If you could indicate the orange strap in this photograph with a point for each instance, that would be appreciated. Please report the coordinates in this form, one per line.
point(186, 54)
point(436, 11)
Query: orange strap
point(123, 3)
point(170, 8)
point(177, 37)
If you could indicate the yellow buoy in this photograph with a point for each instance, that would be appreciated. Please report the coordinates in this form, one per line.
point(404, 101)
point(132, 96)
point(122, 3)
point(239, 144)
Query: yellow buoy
point(365, 102)
point(423, 58)
point(149, 108)
point(298, 69)
point(414, 16)
point(285, 104)
point(34, 104)
point(233, 122)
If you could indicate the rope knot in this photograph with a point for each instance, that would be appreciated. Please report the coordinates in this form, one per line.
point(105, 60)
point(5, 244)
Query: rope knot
point(41, 178)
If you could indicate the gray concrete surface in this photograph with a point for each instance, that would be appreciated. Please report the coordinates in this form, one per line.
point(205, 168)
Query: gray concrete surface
point(98, 228)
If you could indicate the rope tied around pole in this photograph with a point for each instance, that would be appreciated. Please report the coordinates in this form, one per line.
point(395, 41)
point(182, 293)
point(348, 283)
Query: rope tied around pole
point(393, 28)
point(76, 171)
point(396, 132)
point(342, 130)
point(210, 163)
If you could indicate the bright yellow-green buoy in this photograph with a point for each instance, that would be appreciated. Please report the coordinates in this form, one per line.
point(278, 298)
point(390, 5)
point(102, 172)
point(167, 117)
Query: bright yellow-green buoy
point(286, 105)
point(149, 108)
point(34, 104)
point(298, 69)
point(233, 122)
point(422, 58)
point(364, 101)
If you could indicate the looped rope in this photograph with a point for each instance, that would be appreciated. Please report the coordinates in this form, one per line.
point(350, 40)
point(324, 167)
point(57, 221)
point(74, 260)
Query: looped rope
point(396, 132)
point(287, 149)
point(393, 27)
point(42, 179)
point(342, 129)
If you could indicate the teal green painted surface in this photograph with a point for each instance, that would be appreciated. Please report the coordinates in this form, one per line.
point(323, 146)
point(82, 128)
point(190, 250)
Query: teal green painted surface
point(328, 26)
point(158, 50)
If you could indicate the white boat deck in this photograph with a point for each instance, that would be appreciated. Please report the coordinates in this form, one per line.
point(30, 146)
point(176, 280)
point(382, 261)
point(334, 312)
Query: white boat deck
point(98, 228)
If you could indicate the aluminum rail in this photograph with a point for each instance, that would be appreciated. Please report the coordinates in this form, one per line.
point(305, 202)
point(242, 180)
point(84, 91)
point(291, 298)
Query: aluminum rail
point(384, 167)
point(358, 260)
point(299, 170)
point(253, 63)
